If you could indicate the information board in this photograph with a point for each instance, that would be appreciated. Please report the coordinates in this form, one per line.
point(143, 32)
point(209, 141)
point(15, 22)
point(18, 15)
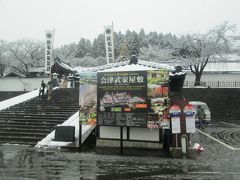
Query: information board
point(175, 122)
point(122, 98)
point(190, 113)
point(175, 113)
point(190, 124)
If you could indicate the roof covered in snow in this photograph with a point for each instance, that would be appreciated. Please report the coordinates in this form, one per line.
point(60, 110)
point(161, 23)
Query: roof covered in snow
point(61, 68)
point(223, 67)
point(127, 66)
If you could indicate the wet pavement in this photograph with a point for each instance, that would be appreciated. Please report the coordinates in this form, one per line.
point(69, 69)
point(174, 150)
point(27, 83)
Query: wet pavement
point(216, 162)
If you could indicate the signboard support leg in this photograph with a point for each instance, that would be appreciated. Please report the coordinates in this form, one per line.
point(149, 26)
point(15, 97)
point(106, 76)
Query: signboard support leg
point(80, 138)
point(160, 135)
point(176, 140)
point(128, 133)
point(121, 140)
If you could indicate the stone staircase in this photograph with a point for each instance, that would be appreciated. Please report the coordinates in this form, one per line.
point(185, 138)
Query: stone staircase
point(29, 122)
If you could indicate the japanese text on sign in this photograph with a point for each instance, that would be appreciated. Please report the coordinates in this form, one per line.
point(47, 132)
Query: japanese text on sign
point(122, 80)
point(48, 50)
point(109, 44)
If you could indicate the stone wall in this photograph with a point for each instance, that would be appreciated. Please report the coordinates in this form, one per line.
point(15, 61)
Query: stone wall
point(224, 103)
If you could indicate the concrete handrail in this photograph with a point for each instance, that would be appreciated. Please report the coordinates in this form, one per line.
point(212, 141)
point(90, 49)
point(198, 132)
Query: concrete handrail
point(18, 99)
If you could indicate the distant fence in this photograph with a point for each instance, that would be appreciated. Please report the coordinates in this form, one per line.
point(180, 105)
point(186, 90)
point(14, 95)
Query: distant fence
point(214, 84)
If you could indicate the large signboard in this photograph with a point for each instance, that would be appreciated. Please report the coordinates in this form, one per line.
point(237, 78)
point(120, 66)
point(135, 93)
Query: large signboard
point(133, 99)
point(122, 99)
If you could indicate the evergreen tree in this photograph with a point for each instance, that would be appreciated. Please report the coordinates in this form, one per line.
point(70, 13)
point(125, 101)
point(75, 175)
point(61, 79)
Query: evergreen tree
point(124, 51)
point(153, 39)
point(98, 47)
point(118, 41)
point(143, 43)
point(133, 43)
point(83, 48)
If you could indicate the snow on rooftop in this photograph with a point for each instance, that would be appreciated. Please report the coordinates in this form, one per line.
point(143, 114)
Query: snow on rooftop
point(65, 66)
point(177, 73)
point(132, 67)
point(223, 67)
point(126, 66)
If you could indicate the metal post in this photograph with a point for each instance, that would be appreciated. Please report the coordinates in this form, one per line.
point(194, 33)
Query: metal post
point(160, 134)
point(176, 140)
point(128, 133)
point(121, 140)
point(80, 137)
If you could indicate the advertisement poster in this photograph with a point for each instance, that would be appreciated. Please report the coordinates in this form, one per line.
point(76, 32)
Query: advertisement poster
point(88, 78)
point(122, 99)
point(158, 95)
point(88, 98)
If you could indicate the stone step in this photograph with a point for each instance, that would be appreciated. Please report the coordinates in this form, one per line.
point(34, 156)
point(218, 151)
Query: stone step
point(27, 117)
point(56, 107)
point(17, 133)
point(25, 123)
point(62, 106)
point(38, 111)
point(41, 112)
point(35, 115)
point(30, 126)
point(25, 129)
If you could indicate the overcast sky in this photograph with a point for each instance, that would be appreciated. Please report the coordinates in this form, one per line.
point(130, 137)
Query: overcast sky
point(73, 19)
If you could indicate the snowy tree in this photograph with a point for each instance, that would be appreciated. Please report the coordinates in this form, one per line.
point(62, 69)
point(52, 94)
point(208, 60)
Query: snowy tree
point(83, 48)
point(143, 42)
point(118, 41)
point(3, 55)
point(124, 54)
point(155, 54)
point(153, 39)
point(198, 50)
point(25, 54)
point(98, 47)
point(66, 52)
point(133, 43)
point(86, 61)
point(101, 60)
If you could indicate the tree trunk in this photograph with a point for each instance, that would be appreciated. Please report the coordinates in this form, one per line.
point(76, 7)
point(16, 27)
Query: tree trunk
point(197, 79)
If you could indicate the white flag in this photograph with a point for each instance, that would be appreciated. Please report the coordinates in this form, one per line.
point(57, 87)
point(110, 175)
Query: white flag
point(48, 50)
point(109, 43)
